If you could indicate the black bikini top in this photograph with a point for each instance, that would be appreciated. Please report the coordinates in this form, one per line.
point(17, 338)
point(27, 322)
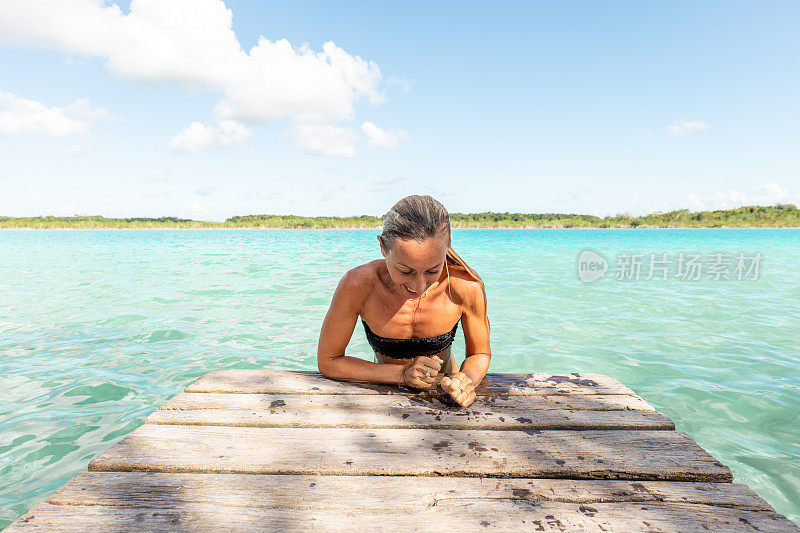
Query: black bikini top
point(408, 348)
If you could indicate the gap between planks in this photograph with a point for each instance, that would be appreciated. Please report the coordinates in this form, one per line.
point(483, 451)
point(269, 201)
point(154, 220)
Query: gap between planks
point(396, 411)
point(249, 381)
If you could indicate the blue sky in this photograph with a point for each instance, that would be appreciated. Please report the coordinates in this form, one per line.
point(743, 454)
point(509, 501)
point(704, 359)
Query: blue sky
point(164, 108)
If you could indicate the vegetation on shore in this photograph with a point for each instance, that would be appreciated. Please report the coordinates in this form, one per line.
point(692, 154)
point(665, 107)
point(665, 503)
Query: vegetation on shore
point(781, 215)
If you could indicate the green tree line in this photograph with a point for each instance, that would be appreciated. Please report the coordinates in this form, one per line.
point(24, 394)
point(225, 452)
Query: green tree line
point(781, 215)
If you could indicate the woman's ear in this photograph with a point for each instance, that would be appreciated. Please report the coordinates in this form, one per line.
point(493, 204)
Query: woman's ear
point(380, 242)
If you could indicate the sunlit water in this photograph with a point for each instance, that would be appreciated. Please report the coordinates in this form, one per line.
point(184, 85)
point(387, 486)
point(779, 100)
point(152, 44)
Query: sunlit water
point(99, 328)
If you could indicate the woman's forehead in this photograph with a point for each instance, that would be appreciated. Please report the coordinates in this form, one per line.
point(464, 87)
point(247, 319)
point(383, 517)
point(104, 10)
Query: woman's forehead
point(427, 254)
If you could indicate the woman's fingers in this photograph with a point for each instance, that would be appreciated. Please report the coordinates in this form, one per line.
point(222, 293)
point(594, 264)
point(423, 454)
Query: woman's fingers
point(425, 372)
point(431, 363)
point(428, 369)
point(465, 398)
point(429, 378)
point(458, 380)
point(460, 388)
point(448, 384)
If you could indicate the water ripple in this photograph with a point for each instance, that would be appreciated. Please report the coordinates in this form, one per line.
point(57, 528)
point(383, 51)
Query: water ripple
point(99, 328)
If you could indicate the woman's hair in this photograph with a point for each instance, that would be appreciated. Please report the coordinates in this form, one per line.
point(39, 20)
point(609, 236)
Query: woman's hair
point(419, 218)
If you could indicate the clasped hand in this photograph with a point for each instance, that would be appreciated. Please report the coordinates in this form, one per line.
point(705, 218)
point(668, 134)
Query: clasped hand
point(423, 373)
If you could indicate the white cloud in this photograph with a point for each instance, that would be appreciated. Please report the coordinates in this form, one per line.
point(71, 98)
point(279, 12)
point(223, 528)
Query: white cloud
point(76, 150)
point(80, 109)
point(685, 127)
point(325, 139)
point(577, 194)
point(72, 62)
point(194, 138)
point(197, 137)
point(156, 194)
point(191, 43)
point(18, 114)
point(329, 190)
point(695, 204)
point(403, 83)
point(381, 137)
point(388, 183)
point(773, 193)
point(766, 194)
point(391, 179)
point(205, 191)
point(231, 131)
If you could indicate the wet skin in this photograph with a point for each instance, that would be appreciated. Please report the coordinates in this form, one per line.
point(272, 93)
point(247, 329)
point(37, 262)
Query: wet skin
point(416, 271)
point(409, 294)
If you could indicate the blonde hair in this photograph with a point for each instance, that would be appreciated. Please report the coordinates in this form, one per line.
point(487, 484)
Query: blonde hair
point(420, 218)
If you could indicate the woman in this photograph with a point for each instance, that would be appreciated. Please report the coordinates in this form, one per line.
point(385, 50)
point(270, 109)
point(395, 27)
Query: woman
point(406, 301)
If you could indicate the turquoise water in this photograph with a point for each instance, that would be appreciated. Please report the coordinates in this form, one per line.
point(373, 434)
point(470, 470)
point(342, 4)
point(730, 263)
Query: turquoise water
point(99, 328)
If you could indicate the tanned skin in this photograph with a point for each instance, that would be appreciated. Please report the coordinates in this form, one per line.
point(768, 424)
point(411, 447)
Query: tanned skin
point(409, 294)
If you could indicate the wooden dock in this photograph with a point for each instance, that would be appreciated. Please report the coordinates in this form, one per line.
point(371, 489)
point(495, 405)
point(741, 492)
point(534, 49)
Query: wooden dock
point(263, 450)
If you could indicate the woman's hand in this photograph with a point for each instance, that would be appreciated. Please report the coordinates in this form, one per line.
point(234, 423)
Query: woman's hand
point(460, 387)
point(421, 372)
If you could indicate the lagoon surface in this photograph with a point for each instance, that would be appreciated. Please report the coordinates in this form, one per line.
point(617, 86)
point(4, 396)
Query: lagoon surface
point(98, 328)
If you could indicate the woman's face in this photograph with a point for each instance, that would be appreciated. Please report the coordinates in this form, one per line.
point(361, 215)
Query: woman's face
point(415, 266)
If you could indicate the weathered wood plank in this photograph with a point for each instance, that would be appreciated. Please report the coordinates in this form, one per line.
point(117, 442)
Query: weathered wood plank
point(590, 454)
point(153, 490)
point(310, 382)
point(204, 502)
point(295, 412)
point(584, 402)
point(465, 515)
point(200, 477)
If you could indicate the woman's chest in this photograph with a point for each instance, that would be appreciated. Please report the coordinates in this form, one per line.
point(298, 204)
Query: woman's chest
point(411, 318)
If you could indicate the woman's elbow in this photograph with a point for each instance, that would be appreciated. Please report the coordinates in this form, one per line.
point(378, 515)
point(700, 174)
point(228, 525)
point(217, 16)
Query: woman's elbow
point(326, 365)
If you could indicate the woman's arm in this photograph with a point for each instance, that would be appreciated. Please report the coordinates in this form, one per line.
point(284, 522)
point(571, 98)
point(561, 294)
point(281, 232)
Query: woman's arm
point(337, 329)
point(461, 385)
point(475, 324)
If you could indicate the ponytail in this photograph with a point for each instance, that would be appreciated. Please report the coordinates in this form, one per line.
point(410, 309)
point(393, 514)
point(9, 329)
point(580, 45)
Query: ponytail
point(453, 258)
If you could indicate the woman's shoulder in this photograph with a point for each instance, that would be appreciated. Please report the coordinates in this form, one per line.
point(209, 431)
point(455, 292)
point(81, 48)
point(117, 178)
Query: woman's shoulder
point(355, 286)
point(362, 278)
point(461, 276)
point(368, 270)
point(465, 287)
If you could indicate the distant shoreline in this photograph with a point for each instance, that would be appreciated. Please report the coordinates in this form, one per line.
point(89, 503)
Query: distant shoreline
point(380, 228)
point(776, 216)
